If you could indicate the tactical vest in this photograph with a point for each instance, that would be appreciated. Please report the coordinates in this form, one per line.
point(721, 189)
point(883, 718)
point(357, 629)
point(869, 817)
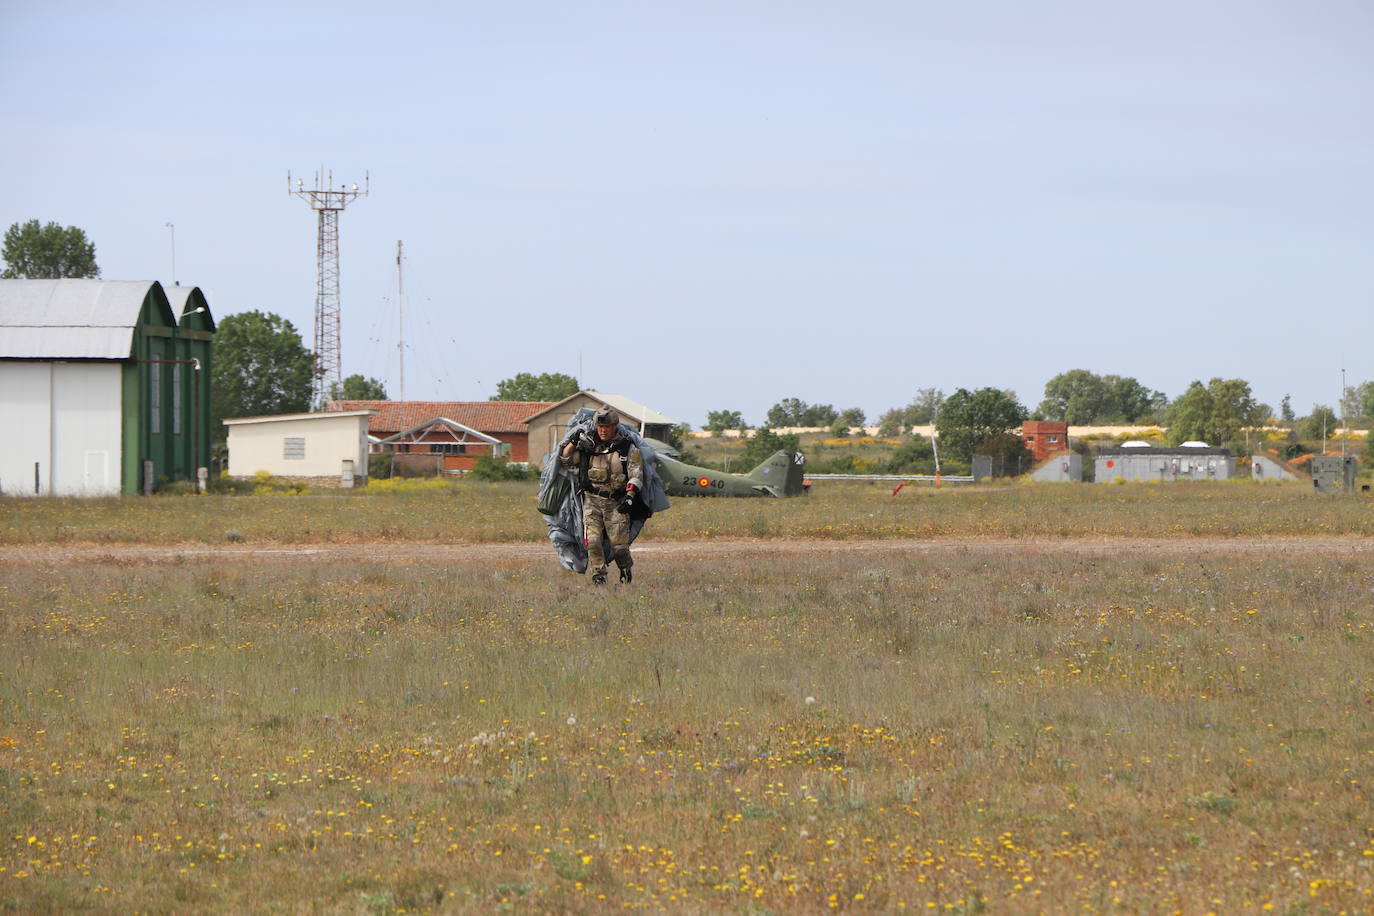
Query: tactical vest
point(608, 478)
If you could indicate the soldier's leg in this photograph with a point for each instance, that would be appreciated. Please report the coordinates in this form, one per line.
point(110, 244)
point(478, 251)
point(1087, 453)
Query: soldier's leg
point(593, 518)
point(618, 532)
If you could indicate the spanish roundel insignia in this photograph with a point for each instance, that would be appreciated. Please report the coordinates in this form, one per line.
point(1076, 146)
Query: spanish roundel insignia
point(704, 482)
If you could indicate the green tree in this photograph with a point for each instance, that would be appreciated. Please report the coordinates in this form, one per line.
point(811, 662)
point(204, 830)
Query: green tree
point(548, 386)
point(787, 412)
point(1077, 397)
point(1286, 409)
point(1130, 402)
point(1214, 413)
point(919, 412)
point(717, 421)
point(51, 252)
point(259, 368)
point(854, 416)
point(677, 437)
point(761, 446)
point(358, 388)
point(969, 418)
point(924, 407)
point(1320, 424)
point(890, 423)
point(1082, 398)
point(1357, 407)
point(796, 412)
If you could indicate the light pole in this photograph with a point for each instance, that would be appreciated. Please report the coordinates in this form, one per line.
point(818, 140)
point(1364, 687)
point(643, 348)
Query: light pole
point(174, 253)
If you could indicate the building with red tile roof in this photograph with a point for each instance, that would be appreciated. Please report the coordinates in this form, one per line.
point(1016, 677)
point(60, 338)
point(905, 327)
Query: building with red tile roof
point(502, 420)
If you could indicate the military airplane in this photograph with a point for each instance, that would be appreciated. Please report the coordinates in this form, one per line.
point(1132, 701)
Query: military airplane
point(780, 475)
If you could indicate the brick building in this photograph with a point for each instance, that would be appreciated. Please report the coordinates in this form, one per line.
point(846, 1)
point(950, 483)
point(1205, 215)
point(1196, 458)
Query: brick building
point(1045, 437)
point(437, 429)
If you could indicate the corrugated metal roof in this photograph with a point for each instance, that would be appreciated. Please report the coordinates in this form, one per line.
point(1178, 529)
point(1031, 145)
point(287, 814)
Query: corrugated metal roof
point(65, 343)
point(69, 319)
point(484, 416)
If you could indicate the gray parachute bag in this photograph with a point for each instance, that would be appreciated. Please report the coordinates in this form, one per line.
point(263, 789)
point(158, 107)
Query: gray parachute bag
point(565, 523)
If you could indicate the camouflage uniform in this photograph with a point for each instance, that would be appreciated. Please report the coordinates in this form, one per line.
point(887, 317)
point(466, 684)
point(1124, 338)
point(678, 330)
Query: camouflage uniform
point(605, 475)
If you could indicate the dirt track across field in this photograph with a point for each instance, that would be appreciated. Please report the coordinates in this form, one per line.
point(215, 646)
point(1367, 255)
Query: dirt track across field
point(401, 552)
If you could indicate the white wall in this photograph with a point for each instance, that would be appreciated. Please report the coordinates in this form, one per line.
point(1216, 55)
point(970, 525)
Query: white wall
point(65, 417)
point(260, 445)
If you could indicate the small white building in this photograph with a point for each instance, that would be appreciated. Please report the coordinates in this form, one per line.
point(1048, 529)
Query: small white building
point(328, 449)
point(1062, 467)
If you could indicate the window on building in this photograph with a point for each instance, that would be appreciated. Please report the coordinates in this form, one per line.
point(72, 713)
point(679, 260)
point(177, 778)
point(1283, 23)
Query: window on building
point(293, 448)
point(1054, 438)
point(447, 448)
point(176, 399)
point(155, 396)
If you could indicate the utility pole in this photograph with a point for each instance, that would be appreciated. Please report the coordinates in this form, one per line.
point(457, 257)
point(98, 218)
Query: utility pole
point(1345, 427)
point(328, 202)
point(174, 253)
point(400, 319)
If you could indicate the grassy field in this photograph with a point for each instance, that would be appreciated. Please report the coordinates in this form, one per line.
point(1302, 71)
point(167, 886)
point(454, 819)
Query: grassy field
point(476, 512)
point(974, 730)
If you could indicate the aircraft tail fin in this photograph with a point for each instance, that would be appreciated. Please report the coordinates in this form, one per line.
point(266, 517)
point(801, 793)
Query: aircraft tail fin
point(780, 475)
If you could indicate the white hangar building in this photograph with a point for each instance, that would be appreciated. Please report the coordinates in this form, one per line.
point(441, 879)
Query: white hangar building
point(104, 386)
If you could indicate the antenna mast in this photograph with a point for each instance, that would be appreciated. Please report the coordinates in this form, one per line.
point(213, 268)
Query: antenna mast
point(329, 202)
point(401, 319)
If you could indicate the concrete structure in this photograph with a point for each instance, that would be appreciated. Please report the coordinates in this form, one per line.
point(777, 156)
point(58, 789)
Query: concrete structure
point(1063, 467)
point(502, 421)
point(1269, 466)
point(1045, 438)
point(328, 449)
point(104, 386)
point(1161, 463)
point(1334, 473)
point(548, 426)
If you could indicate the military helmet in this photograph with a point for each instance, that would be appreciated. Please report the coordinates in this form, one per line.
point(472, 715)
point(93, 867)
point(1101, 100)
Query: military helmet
point(607, 416)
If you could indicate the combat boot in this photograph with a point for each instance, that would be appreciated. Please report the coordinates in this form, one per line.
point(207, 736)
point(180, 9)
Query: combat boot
point(625, 575)
point(599, 576)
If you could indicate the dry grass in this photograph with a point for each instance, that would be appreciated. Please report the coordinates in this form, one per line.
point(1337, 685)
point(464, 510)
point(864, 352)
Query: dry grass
point(474, 512)
point(1009, 733)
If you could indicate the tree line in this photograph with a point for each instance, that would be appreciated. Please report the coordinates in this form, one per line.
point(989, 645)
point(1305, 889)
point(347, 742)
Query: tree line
point(261, 366)
point(1216, 412)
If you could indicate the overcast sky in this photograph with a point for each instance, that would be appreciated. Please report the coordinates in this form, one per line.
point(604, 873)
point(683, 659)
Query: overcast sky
point(717, 205)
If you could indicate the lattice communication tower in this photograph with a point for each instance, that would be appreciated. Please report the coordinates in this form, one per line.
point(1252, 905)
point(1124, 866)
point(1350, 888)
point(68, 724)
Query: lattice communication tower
point(328, 201)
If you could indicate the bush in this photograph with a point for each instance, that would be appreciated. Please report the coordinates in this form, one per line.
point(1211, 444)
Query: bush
point(489, 468)
point(763, 444)
point(1295, 450)
point(379, 465)
point(408, 485)
point(264, 484)
point(914, 456)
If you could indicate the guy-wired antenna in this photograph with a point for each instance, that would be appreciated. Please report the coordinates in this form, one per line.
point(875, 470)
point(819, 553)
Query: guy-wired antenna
point(329, 202)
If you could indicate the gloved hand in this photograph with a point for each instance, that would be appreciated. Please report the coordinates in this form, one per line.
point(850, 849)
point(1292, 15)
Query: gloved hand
point(585, 441)
point(627, 501)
